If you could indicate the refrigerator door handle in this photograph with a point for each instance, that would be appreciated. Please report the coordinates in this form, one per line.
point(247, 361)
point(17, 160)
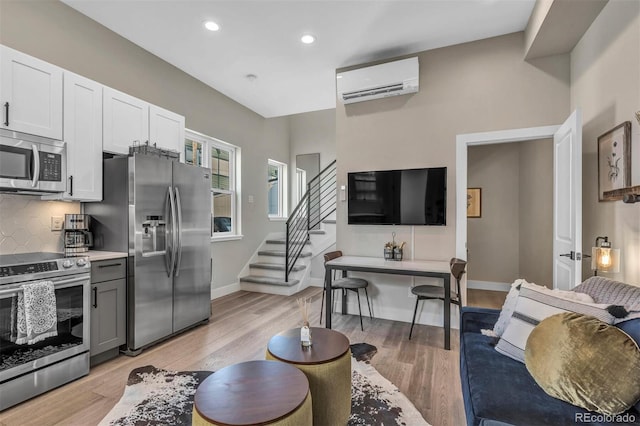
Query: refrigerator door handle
point(178, 233)
point(170, 213)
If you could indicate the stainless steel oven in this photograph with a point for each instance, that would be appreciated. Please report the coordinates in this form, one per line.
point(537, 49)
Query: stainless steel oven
point(32, 163)
point(27, 370)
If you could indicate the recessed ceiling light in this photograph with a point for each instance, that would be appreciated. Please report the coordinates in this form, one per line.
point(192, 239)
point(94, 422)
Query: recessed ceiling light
point(251, 77)
point(307, 39)
point(211, 26)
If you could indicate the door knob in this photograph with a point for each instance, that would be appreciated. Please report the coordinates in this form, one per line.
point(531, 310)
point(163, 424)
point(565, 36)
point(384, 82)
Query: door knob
point(572, 255)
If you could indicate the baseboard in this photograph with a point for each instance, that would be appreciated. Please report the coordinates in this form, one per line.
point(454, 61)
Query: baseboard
point(223, 291)
point(488, 285)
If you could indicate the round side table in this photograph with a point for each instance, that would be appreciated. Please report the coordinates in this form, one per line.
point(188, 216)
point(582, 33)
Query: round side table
point(254, 393)
point(327, 365)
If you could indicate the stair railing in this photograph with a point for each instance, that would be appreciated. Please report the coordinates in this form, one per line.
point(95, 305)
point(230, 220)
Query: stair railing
point(315, 206)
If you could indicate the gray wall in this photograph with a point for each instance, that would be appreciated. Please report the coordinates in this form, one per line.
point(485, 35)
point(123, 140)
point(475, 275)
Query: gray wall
point(605, 83)
point(54, 32)
point(513, 238)
point(473, 87)
point(493, 240)
point(536, 212)
point(312, 132)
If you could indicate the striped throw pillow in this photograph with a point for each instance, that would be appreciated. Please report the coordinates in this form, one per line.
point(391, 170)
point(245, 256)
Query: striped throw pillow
point(532, 307)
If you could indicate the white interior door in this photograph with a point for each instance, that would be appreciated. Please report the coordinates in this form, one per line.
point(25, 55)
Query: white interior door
point(567, 205)
point(567, 209)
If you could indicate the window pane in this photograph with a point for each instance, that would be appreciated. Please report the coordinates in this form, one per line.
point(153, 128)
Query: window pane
point(219, 182)
point(221, 212)
point(273, 172)
point(273, 190)
point(193, 152)
point(219, 168)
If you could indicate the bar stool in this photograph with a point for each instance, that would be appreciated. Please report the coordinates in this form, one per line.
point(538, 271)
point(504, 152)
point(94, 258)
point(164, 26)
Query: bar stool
point(346, 284)
point(429, 292)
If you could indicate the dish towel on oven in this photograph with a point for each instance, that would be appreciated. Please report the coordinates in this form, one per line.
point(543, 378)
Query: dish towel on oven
point(36, 313)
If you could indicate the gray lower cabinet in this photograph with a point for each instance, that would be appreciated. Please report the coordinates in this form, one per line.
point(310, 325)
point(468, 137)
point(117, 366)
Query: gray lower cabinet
point(108, 308)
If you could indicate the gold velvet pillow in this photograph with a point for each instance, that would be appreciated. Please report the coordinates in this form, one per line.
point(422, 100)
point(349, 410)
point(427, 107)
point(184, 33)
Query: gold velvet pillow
point(581, 360)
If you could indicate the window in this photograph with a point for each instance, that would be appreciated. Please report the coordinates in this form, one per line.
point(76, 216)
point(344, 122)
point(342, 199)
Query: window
point(224, 161)
point(276, 189)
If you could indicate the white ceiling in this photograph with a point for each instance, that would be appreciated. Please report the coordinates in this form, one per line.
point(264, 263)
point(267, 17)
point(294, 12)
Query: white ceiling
point(262, 37)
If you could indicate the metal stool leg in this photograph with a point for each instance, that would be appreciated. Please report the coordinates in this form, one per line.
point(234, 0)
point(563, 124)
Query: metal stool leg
point(413, 321)
point(322, 304)
point(359, 309)
point(368, 305)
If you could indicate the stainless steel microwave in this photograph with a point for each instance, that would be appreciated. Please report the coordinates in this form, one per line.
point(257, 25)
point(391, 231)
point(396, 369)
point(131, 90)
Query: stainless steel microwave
point(31, 163)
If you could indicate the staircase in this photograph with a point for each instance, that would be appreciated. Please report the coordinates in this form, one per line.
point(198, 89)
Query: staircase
point(282, 265)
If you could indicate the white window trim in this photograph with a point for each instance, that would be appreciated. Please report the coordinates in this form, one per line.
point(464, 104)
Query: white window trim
point(209, 142)
point(282, 192)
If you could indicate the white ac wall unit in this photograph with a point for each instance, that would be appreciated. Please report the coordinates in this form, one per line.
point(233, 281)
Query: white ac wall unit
point(378, 81)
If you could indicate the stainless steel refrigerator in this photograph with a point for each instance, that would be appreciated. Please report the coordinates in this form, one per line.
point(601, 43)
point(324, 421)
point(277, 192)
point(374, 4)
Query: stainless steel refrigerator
point(159, 211)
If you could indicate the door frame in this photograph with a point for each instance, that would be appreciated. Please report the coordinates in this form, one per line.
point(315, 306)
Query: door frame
point(463, 142)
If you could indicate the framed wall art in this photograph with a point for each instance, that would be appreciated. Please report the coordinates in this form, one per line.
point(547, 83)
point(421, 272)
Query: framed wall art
point(474, 202)
point(614, 160)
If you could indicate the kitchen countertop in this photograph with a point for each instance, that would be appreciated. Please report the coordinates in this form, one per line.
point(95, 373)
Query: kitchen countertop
point(95, 255)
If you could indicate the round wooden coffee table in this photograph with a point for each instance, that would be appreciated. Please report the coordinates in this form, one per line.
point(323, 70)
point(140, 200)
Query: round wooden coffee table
point(254, 393)
point(327, 365)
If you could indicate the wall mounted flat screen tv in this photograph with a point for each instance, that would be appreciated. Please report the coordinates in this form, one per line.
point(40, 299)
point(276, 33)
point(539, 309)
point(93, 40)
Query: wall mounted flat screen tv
point(398, 197)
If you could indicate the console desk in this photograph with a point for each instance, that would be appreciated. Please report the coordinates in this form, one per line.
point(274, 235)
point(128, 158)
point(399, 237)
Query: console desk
point(415, 268)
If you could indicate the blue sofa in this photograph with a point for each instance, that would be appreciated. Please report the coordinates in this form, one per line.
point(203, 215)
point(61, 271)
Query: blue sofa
point(498, 390)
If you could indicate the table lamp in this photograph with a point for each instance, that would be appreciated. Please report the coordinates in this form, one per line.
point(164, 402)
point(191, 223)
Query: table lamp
point(603, 257)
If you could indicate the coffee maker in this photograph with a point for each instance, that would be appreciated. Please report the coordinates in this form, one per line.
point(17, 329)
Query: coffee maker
point(77, 237)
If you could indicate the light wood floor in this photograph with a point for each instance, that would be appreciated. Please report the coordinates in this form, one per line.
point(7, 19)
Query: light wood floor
point(240, 327)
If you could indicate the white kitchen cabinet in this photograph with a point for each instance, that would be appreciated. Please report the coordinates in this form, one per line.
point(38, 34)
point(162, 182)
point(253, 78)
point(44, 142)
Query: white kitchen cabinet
point(83, 135)
point(30, 94)
point(126, 121)
point(129, 120)
point(166, 129)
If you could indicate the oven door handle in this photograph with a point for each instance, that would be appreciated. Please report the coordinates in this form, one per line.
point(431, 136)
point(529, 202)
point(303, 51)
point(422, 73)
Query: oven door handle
point(58, 284)
point(36, 166)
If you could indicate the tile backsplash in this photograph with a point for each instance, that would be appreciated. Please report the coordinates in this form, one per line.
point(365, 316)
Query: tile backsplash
point(25, 223)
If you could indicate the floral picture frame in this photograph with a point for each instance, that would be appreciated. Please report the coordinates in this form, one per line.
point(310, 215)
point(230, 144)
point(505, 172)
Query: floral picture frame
point(614, 160)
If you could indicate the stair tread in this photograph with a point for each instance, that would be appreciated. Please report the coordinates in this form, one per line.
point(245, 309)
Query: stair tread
point(317, 231)
point(268, 281)
point(280, 253)
point(275, 266)
point(329, 221)
point(280, 241)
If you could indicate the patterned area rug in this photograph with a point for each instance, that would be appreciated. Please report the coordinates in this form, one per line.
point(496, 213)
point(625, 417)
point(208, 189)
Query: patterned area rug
point(160, 397)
